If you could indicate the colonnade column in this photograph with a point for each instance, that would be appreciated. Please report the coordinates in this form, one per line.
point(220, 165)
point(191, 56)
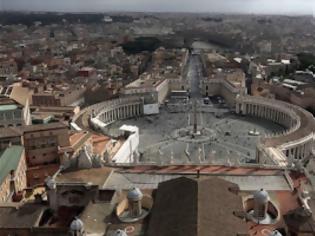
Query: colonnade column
point(237, 108)
point(263, 112)
point(274, 115)
point(300, 152)
point(295, 153)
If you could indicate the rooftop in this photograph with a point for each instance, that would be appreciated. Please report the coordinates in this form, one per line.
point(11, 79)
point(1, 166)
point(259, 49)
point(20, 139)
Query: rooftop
point(20, 216)
point(144, 83)
point(96, 176)
point(122, 180)
point(201, 206)
point(204, 169)
point(78, 139)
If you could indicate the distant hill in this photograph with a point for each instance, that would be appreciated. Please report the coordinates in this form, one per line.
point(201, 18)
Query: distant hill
point(12, 18)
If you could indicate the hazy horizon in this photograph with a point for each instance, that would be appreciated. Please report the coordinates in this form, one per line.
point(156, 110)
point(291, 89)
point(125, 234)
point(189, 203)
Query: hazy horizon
point(304, 7)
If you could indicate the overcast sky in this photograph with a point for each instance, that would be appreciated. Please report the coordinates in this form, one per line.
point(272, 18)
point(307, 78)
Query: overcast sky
point(240, 6)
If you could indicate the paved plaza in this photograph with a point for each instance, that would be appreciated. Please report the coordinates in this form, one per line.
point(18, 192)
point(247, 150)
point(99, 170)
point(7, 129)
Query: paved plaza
point(220, 140)
point(232, 142)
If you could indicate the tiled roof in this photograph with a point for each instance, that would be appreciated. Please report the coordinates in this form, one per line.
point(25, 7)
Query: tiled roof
point(204, 169)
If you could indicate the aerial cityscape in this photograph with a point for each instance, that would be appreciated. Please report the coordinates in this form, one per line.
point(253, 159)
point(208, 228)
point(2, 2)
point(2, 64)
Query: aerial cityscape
point(156, 119)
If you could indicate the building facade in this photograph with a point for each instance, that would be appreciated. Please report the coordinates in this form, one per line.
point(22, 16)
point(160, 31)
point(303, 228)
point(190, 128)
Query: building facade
point(13, 114)
point(67, 97)
point(13, 172)
point(42, 142)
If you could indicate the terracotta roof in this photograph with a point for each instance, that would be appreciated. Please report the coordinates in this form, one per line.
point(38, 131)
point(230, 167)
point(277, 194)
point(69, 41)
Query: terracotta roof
point(204, 169)
point(300, 222)
point(78, 139)
point(99, 143)
point(96, 176)
point(193, 207)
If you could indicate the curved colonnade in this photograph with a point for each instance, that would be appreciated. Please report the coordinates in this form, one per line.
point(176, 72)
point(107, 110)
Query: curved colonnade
point(118, 109)
point(102, 114)
point(295, 143)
